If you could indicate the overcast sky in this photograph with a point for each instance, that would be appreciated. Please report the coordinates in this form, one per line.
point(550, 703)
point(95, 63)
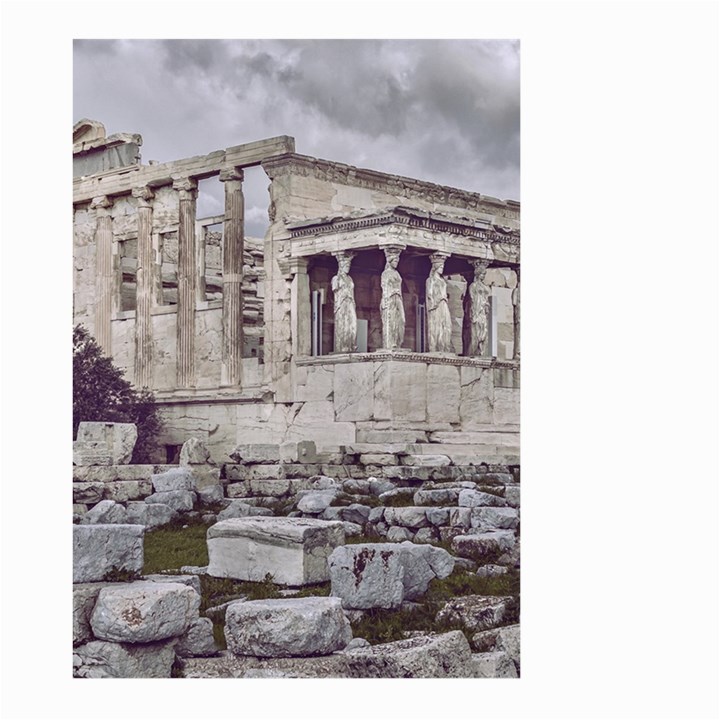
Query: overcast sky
point(447, 111)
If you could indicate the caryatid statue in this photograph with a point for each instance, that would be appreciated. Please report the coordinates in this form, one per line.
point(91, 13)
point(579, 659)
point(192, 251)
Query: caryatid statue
point(516, 315)
point(391, 305)
point(343, 289)
point(439, 320)
point(476, 304)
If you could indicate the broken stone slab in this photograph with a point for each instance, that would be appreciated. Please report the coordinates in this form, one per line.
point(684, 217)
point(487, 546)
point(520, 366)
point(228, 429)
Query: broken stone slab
point(491, 570)
point(475, 498)
point(112, 473)
point(426, 460)
point(402, 492)
point(376, 514)
point(505, 639)
point(494, 665)
point(287, 627)
point(106, 512)
point(355, 486)
point(173, 480)
point(512, 495)
point(378, 459)
point(227, 665)
point(356, 513)
point(256, 453)
point(90, 454)
point(332, 512)
point(211, 495)
point(460, 517)
point(84, 598)
point(409, 517)
point(144, 611)
point(426, 535)
point(192, 581)
point(397, 534)
point(88, 493)
point(194, 452)
point(366, 575)
point(441, 496)
point(438, 515)
point(99, 659)
point(481, 545)
point(120, 439)
point(125, 490)
point(294, 551)
point(379, 487)
point(315, 502)
point(303, 452)
point(494, 518)
point(150, 515)
point(99, 549)
point(204, 475)
point(198, 639)
point(178, 500)
point(422, 564)
point(429, 656)
point(475, 612)
point(239, 509)
point(352, 529)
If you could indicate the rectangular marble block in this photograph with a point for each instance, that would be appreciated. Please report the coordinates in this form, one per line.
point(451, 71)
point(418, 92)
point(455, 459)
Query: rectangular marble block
point(293, 550)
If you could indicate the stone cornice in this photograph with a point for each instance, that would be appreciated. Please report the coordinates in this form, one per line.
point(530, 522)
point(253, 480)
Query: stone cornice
point(409, 218)
point(361, 177)
point(408, 356)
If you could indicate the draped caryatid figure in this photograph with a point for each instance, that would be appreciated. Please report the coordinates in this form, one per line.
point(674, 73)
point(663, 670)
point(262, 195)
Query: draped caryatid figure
point(476, 315)
point(343, 289)
point(391, 305)
point(439, 320)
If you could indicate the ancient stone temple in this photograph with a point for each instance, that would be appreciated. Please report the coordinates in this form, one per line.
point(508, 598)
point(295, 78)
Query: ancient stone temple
point(376, 309)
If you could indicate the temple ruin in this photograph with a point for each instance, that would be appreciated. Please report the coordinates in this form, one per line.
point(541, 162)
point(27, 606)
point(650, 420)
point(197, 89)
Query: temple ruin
point(376, 309)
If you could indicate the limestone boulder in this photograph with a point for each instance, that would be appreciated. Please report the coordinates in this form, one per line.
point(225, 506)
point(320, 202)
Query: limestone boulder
point(356, 513)
point(144, 611)
point(303, 452)
point(84, 599)
point(239, 509)
point(88, 492)
point(494, 518)
point(194, 452)
point(440, 496)
point(410, 517)
point(150, 515)
point(494, 665)
point(294, 551)
point(211, 495)
point(476, 498)
point(106, 512)
point(99, 549)
point(367, 575)
point(426, 460)
point(475, 612)
point(428, 656)
point(198, 640)
point(192, 581)
point(505, 639)
point(100, 659)
point(178, 500)
point(481, 546)
point(422, 563)
point(288, 627)
point(438, 515)
point(314, 502)
point(173, 480)
point(256, 453)
point(120, 439)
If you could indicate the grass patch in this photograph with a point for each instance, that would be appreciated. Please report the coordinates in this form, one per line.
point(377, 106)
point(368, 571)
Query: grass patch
point(171, 546)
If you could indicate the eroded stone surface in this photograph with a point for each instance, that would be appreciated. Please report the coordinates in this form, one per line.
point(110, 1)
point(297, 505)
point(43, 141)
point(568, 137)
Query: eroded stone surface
point(475, 612)
point(100, 659)
point(287, 627)
point(198, 640)
point(194, 452)
point(106, 512)
point(482, 545)
point(239, 509)
point(150, 515)
point(99, 549)
point(119, 439)
point(178, 500)
point(173, 480)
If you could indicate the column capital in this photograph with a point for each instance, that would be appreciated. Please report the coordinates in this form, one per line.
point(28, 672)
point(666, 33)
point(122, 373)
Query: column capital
point(480, 267)
point(392, 249)
point(143, 195)
point(186, 186)
point(350, 254)
point(233, 173)
point(100, 203)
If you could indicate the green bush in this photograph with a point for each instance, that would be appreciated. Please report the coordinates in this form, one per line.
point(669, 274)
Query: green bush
point(102, 394)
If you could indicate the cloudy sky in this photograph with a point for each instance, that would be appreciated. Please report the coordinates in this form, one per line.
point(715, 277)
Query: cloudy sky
point(447, 111)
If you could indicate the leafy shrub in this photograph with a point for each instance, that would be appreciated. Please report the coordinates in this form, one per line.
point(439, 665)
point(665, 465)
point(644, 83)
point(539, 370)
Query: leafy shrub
point(102, 394)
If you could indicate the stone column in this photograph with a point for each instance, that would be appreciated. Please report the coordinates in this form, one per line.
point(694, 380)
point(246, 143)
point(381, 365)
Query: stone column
point(187, 282)
point(300, 310)
point(144, 288)
point(476, 311)
point(392, 310)
point(516, 316)
point(439, 320)
point(104, 273)
point(343, 289)
point(232, 270)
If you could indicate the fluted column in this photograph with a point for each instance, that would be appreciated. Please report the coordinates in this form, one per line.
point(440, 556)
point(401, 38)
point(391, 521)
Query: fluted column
point(144, 288)
point(516, 316)
point(232, 271)
point(104, 273)
point(187, 281)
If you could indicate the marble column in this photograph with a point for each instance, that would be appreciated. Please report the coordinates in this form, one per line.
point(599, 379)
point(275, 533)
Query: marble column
point(300, 310)
point(476, 311)
point(187, 282)
point(232, 277)
point(439, 320)
point(144, 288)
point(343, 289)
point(392, 310)
point(104, 273)
point(516, 316)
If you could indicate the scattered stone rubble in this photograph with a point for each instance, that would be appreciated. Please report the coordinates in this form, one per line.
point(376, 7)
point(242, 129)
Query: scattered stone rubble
point(287, 510)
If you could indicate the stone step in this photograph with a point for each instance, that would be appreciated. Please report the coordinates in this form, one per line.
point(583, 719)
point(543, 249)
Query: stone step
point(476, 438)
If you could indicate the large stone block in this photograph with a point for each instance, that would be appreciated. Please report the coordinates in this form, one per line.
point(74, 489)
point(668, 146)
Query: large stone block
point(294, 551)
point(98, 549)
point(353, 391)
point(84, 598)
point(443, 393)
point(239, 509)
point(256, 453)
point(106, 512)
point(477, 498)
point(198, 639)
point(99, 659)
point(289, 627)
point(496, 664)
point(427, 656)
point(475, 612)
point(476, 396)
point(88, 492)
point(150, 515)
point(303, 452)
point(178, 500)
point(494, 518)
point(176, 479)
point(119, 438)
point(144, 611)
point(194, 452)
point(125, 490)
point(480, 546)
